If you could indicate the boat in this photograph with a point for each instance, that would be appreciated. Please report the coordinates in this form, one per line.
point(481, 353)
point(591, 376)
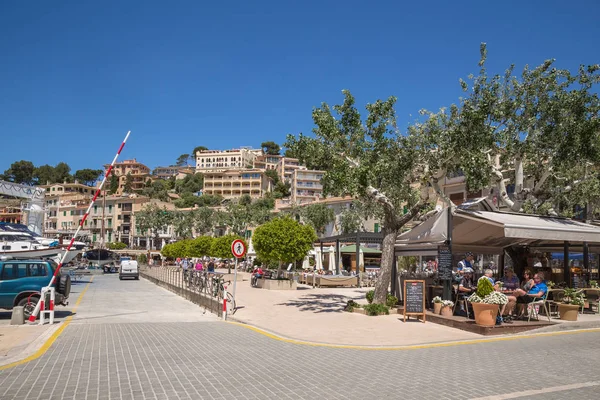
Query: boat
point(11, 227)
point(17, 245)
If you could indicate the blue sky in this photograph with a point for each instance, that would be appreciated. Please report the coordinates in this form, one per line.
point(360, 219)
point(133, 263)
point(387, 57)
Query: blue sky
point(76, 75)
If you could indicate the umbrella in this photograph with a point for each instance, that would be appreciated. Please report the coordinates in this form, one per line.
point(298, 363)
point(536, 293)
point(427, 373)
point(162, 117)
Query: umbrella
point(318, 259)
point(306, 263)
point(361, 260)
point(331, 259)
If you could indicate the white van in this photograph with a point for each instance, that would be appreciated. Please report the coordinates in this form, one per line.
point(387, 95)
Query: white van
point(129, 268)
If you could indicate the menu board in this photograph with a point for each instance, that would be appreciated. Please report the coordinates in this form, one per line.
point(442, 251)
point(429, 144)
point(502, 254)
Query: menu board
point(444, 263)
point(414, 298)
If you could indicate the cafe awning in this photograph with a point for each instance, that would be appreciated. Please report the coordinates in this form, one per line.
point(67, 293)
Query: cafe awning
point(492, 231)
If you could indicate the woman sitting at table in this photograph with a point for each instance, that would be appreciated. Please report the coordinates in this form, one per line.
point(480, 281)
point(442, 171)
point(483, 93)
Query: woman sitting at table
point(527, 282)
point(510, 281)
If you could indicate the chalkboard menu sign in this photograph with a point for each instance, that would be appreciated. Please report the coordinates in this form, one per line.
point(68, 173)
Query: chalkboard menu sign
point(414, 298)
point(444, 263)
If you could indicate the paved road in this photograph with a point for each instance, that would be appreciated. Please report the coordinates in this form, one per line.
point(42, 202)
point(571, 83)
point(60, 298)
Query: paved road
point(113, 350)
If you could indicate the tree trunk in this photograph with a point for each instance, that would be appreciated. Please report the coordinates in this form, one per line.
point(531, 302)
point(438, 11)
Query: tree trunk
point(390, 232)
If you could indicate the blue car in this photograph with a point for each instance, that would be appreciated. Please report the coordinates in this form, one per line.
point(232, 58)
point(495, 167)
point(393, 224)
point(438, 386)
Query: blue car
point(21, 283)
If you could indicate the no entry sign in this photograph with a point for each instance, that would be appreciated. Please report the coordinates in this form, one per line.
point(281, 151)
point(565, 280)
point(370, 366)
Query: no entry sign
point(238, 248)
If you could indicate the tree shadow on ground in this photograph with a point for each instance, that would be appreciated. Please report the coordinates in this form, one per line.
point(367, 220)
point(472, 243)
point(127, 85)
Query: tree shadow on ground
point(323, 303)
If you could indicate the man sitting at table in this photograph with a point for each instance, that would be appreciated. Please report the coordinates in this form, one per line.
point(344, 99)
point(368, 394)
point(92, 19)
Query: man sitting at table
point(510, 281)
point(522, 298)
point(466, 287)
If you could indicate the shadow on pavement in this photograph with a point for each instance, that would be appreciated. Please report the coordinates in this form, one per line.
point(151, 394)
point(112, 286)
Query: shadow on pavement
point(319, 303)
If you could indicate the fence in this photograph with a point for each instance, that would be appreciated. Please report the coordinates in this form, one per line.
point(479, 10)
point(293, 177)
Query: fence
point(193, 289)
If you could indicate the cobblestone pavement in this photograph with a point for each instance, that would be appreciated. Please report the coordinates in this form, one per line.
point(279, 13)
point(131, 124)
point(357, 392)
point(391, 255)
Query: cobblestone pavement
point(210, 359)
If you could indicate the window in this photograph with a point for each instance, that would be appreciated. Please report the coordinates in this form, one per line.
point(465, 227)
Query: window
point(64, 213)
point(109, 209)
point(376, 227)
point(37, 270)
point(95, 209)
point(9, 272)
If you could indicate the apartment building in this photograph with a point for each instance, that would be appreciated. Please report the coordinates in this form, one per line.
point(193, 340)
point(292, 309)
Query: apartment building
point(223, 160)
point(138, 171)
point(65, 206)
point(306, 186)
point(235, 183)
point(118, 214)
point(10, 211)
point(172, 171)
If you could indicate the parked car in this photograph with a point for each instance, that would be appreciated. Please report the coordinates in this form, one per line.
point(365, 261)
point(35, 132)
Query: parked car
point(129, 268)
point(21, 283)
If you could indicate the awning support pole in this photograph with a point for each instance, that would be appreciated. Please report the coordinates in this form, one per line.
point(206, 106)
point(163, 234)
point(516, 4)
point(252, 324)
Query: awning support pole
point(447, 294)
point(586, 261)
point(337, 257)
point(566, 271)
point(357, 259)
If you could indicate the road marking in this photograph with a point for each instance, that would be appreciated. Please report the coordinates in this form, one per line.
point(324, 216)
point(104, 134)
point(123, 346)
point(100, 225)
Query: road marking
point(410, 347)
point(54, 336)
point(552, 389)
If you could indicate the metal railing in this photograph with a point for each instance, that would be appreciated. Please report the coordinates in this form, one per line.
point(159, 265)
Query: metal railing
point(192, 286)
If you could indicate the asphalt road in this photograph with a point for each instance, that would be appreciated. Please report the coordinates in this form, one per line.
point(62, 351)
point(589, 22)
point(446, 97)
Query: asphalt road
point(133, 340)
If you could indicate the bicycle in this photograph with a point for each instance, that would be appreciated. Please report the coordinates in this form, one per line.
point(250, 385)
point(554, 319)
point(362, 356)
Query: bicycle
point(219, 290)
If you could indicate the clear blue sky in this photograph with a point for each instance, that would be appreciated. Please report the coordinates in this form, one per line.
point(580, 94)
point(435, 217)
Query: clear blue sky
point(76, 75)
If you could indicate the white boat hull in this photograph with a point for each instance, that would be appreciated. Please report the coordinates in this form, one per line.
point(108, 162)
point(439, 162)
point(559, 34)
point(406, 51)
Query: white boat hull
point(55, 254)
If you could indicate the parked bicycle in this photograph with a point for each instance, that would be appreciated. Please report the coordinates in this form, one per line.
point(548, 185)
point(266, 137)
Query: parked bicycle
point(219, 290)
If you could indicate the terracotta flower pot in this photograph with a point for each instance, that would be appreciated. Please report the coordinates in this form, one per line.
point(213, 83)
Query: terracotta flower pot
point(485, 314)
point(446, 311)
point(568, 312)
point(437, 308)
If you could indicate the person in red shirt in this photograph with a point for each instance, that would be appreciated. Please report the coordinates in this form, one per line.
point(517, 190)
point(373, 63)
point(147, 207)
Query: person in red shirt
point(256, 275)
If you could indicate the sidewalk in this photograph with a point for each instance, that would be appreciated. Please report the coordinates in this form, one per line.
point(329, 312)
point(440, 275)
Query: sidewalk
point(20, 342)
point(316, 315)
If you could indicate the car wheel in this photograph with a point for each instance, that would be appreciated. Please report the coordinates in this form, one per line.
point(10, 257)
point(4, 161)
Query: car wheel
point(28, 304)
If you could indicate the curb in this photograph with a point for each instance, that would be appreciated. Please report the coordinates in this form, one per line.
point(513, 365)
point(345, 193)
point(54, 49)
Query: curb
point(300, 342)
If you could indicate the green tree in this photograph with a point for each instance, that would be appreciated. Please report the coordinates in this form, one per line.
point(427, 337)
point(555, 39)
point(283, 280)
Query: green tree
point(283, 240)
point(190, 184)
point(20, 172)
point(270, 148)
point(44, 174)
point(197, 149)
point(182, 160)
point(154, 219)
point(371, 161)
point(114, 183)
point(127, 188)
point(159, 189)
point(350, 220)
point(204, 220)
point(221, 247)
point(282, 190)
point(317, 216)
point(201, 246)
point(62, 173)
point(87, 176)
point(183, 223)
point(539, 127)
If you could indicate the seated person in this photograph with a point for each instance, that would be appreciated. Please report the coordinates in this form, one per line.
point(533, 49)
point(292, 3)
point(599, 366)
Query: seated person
point(510, 280)
point(256, 275)
point(521, 297)
point(488, 273)
point(466, 287)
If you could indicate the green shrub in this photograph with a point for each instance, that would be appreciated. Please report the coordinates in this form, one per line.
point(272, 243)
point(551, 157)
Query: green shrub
point(351, 305)
point(142, 259)
point(484, 287)
point(370, 296)
point(376, 309)
point(391, 301)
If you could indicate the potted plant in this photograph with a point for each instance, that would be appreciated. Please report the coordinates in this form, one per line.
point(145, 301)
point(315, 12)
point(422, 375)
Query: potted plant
point(486, 302)
point(447, 306)
point(572, 302)
point(594, 284)
point(550, 284)
point(437, 304)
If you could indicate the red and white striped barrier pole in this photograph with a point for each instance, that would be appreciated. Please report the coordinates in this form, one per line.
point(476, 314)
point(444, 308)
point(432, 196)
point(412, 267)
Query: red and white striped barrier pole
point(35, 312)
point(224, 302)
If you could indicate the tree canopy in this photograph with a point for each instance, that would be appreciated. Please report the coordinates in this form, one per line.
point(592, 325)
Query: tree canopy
point(182, 160)
point(221, 246)
point(197, 149)
point(318, 216)
point(154, 219)
point(283, 239)
point(270, 148)
point(87, 176)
